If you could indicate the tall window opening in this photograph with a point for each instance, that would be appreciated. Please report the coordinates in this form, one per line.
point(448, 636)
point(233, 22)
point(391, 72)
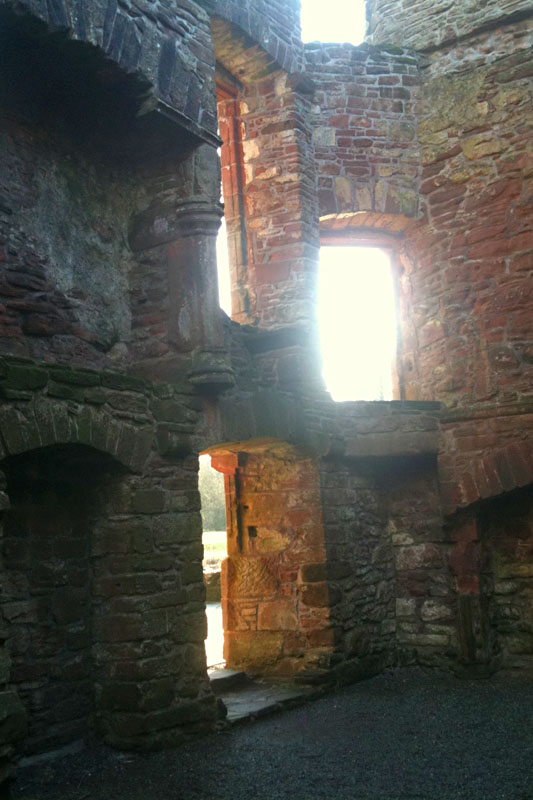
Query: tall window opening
point(357, 322)
point(231, 233)
point(335, 21)
point(224, 282)
point(214, 538)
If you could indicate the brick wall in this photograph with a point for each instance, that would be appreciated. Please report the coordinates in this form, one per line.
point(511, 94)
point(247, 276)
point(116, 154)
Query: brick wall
point(360, 569)
point(276, 266)
point(468, 288)
point(426, 24)
point(365, 128)
point(275, 595)
point(242, 30)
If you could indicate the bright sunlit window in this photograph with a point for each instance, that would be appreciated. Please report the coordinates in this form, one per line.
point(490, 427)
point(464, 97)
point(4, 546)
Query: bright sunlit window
point(357, 322)
point(333, 21)
point(224, 284)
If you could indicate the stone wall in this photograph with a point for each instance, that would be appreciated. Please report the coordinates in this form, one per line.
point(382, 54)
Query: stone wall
point(426, 603)
point(108, 599)
point(359, 569)
point(469, 283)
point(506, 535)
point(275, 595)
point(106, 288)
point(365, 128)
point(13, 718)
point(273, 230)
point(426, 24)
point(59, 297)
point(168, 51)
point(253, 37)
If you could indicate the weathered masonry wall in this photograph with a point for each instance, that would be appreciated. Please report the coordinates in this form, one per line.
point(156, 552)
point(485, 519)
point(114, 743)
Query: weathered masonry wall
point(359, 568)
point(275, 595)
point(506, 536)
point(425, 24)
point(274, 231)
point(362, 534)
point(365, 128)
point(470, 283)
point(108, 288)
point(103, 609)
point(257, 36)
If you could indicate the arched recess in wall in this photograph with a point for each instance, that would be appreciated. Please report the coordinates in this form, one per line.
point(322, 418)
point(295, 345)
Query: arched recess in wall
point(64, 476)
point(385, 232)
point(55, 567)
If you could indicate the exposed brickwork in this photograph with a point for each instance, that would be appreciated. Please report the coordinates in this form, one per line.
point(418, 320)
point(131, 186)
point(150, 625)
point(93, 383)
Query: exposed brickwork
point(360, 569)
point(262, 36)
point(426, 24)
point(275, 594)
point(275, 269)
point(506, 534)
point(365, 131)
point(470, 284)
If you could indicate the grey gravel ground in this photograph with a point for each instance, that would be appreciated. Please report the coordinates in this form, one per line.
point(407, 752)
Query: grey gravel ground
point(409, 735)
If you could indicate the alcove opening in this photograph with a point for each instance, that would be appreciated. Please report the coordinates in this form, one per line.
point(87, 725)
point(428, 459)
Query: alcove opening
point(52, 581)
point(231, 240)
point(357, 321)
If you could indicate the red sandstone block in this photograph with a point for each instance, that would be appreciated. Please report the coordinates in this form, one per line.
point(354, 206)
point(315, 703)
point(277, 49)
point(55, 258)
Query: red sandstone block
point(491, 470)
point(522, 241)
point(521, 325)
point(490, 248)
point(482, 482)
point(522, 473)
point(468, 490)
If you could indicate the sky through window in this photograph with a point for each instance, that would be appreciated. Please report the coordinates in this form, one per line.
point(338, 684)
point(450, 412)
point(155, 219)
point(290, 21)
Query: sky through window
point(357, 322)
point(333, 20)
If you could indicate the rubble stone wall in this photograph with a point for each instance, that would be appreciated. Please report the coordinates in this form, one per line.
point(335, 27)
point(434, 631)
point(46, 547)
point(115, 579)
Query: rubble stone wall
point(275, 594)
point(114, 593)
point(359, 567)
point(365, 128)
point(506, 535)
point(425, 24)
point(469, 284)
point(274, 277)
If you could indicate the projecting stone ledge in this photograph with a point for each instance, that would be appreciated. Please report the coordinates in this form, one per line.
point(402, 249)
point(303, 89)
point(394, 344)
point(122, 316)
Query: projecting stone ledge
point(352, 430)
point(380, 429)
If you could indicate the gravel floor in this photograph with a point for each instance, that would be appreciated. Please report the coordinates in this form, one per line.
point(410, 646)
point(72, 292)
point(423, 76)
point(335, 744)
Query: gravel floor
point(402, 736)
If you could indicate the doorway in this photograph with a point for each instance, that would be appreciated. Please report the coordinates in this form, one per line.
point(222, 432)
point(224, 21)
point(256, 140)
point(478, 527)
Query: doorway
point(214, 540)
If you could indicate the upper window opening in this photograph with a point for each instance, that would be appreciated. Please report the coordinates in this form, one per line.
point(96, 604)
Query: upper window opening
point(357, 322)
point(335, 21)
point(224, 280)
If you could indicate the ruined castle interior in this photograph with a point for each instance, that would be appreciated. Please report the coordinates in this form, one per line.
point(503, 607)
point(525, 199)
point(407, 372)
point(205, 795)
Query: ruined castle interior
point(362, 533)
